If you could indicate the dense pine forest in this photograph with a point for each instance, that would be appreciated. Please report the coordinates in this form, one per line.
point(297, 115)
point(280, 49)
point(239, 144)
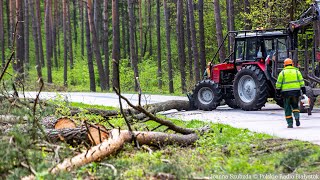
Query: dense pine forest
point(148, 47)
point(98, 44)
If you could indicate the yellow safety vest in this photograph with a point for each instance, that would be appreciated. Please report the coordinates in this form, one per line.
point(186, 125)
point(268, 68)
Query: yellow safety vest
point(290, 78)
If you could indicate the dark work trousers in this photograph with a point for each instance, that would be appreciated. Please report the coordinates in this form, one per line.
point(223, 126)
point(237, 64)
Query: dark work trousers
point(291, 105)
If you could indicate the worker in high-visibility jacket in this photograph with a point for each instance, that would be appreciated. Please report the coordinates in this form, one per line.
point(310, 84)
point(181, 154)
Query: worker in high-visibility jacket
point(289, 84)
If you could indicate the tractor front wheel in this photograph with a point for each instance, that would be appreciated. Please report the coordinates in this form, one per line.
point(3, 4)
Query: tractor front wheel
point(207, 95)
point(250, 88)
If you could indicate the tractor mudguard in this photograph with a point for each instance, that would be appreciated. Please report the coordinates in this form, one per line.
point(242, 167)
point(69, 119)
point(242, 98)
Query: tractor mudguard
point(261, 65)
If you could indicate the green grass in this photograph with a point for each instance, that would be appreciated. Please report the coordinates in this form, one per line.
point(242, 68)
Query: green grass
point(83, 105)
point(222, 150)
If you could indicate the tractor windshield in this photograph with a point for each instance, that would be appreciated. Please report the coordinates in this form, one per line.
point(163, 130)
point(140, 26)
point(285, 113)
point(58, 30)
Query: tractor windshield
point(271, 44)
point(248, 49)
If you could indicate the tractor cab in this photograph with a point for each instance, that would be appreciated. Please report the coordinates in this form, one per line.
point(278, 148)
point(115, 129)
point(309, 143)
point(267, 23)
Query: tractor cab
point(247, 78)
point(262, 47)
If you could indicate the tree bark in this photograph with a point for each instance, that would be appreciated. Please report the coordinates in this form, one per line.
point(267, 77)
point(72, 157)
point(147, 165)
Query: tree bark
point(124, 28)
point(11, 16)
point(59, 22)
point(55, 27)
point(152, 108)
point(228, 25)
point(20, 39)
point(150, 27)
point(116, 42)
point(38, 17)
point(106, 42)
point(73, 136)
point(2, 44)
point(95, 10)
point(159, 46)
point(219, 34)
point(89, 55)
point(82, 26)
point(231, 25)
point(201, 38)
point(168, 41)
point(194, 41)
point(133, 55)
point(96, 48)
point(26, 34)
point(181, 45)
point(140, 30)
point(35, 37)
point(189, 45)
point(115, 143)
point(7, 6)
point(69, 38)
point(75, 22)
point(48, 39)
point(65, 45)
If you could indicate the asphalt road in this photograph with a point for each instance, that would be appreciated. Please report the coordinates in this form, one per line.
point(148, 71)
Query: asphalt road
point(270, 119)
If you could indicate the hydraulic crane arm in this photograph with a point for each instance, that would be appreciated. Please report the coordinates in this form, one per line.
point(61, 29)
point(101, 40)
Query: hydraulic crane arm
point(308, 17)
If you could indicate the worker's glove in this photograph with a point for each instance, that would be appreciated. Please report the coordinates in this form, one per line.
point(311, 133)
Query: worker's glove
point(304, 96)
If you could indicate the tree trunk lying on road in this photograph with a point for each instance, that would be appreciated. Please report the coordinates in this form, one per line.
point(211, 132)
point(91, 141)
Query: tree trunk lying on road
point(152, 108)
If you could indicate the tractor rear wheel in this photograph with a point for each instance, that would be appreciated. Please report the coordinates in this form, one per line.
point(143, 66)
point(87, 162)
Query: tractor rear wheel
point(207, 95)
point(312, 98)
point(250, 88)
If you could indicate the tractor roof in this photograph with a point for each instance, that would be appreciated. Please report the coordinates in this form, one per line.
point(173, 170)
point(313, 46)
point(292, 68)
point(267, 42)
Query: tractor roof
point(260, 34)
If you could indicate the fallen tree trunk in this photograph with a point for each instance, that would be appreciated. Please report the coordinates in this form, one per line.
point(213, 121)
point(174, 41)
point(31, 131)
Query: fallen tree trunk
point(73, 136)
point(51, 122)
point(168, 105)
point(64, 129)
point(115, 143)
point(167, 123)
point(152, 108)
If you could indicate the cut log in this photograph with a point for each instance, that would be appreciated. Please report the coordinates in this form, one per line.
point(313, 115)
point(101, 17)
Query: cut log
point(51, 122)
point(97, 134)
point(73, 136)
point(64, 123)
point(115, 143)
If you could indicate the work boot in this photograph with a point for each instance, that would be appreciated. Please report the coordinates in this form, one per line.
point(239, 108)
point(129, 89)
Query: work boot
point(297, 122)
point(290, 126)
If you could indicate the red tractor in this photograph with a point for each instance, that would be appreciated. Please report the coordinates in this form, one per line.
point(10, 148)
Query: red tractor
point(247, 78)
